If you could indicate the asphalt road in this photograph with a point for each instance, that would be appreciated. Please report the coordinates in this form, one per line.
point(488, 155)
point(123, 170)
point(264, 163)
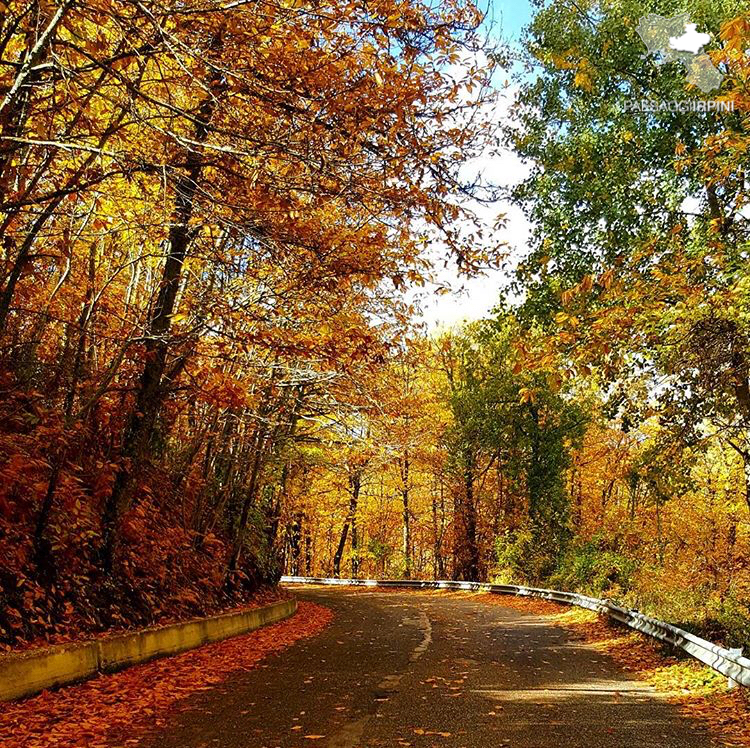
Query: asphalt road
point(420, 669)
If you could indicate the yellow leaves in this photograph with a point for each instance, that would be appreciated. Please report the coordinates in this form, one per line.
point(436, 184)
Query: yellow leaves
point(378, 79)
point(734, 33)
point(525, 395)
point(565, 319)
point(565, 60)
point(584, 77)
point(571, 60)
point(555, 380)
point(583, 80)
point(606, 278)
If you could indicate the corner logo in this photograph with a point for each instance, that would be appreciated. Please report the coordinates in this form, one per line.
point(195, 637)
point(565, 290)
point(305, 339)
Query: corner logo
point(676, 38)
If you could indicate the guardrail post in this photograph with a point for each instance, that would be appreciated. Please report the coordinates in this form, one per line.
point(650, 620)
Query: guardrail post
point(731, 682)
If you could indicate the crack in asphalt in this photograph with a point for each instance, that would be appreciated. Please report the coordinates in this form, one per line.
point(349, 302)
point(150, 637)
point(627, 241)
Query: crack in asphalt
point(350, 734)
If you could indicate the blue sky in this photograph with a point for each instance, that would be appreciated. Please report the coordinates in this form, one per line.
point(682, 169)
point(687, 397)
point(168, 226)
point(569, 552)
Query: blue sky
point(474, 298)
point(509, 16)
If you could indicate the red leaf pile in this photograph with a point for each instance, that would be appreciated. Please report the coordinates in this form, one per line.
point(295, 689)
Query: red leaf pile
point(116, 709)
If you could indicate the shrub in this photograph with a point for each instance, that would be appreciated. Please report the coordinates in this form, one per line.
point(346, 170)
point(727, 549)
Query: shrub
point(594, 568)
point(519, 559)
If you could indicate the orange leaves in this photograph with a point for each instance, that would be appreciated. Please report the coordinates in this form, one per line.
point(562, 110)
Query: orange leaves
point(606, 278)
point(438, 733)
point(526, 395)
point(225, 196)
point(113, 708)
point(564, 319)
point(586, 286)
point(735, 33)
point(700, 693)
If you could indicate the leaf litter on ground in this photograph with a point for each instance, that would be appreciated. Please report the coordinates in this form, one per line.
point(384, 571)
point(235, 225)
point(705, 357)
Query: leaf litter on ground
point(700, 693)
point(121, 708)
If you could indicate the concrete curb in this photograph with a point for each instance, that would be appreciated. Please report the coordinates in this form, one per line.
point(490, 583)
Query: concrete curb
point(27, 673)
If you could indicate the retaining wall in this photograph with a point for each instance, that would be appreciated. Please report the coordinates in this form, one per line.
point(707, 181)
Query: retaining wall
point(26, 673)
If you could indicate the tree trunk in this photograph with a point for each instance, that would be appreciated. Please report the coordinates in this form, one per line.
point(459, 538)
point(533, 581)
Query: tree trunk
point(406, 515)
point(355, 485)
point(746, 473)
point(249, 500)
point(152, 387)
point(308, 552)
point(42, 546)
point(438, 562)
point(471, 572)
point(340, 550)
point(295, 533)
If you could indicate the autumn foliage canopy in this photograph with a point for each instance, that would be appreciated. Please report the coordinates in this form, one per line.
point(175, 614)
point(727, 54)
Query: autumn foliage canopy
point(207, 209)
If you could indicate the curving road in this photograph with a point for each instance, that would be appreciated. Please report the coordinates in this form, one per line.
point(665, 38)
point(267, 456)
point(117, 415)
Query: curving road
point(424, 669)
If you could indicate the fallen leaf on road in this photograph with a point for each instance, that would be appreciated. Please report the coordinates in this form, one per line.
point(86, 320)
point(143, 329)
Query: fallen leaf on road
point(111, 709)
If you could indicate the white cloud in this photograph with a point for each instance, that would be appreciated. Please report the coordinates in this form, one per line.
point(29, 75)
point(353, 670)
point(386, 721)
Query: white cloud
point(474, 298)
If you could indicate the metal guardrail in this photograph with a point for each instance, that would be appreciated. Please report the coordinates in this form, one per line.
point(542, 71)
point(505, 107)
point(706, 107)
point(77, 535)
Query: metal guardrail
point(728, 662)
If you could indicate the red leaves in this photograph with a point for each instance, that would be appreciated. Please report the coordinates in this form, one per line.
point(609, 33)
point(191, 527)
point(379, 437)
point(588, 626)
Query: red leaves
point(117, 708)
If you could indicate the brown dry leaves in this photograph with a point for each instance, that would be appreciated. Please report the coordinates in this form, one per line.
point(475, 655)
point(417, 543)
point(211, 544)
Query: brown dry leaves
point(699, 692)
point(78, 630)
point(523, 604)
point(116, 709)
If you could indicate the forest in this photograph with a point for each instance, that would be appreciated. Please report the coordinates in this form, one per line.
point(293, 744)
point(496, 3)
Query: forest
point(211, 368)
